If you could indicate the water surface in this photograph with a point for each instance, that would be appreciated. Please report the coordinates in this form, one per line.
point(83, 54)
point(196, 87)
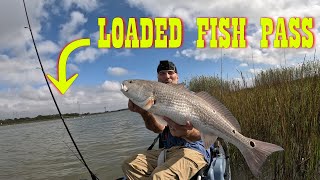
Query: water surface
point(40, 150)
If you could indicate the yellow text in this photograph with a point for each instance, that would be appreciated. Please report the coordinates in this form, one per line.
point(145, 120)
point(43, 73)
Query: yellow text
point(158, 32)
point(225, 32)
point(293, 34)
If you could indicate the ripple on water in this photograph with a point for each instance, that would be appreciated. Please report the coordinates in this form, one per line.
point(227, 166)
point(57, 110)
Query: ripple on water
point(39, 150)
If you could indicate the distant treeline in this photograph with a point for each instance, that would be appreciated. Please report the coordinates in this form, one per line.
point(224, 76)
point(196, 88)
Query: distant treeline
point(48, 117)
point(35, 119)
point(281, 106)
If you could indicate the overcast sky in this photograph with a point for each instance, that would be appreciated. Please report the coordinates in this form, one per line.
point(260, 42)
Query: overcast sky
point(23, 91)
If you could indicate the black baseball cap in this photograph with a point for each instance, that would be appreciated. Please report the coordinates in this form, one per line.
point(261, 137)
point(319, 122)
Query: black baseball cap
point(166, 65)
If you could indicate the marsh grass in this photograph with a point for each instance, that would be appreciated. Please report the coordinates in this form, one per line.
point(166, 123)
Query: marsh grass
point(281, 107)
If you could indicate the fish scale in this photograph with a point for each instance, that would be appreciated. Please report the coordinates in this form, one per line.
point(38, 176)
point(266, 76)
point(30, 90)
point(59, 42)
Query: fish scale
point(210, 117)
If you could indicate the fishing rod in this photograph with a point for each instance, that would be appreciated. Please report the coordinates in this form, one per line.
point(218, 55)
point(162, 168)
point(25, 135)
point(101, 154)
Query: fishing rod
point(93, 176)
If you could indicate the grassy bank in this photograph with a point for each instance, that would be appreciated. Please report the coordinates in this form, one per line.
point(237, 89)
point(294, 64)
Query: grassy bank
point(282, 107)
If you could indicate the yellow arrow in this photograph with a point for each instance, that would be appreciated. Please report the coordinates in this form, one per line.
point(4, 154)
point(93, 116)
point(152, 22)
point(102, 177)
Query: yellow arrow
point(62, 84)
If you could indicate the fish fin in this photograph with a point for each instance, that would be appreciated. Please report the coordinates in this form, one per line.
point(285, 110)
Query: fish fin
point(160, 119)
point(216, 104)
point(256, 154)
point(208, 139)
point(148, 103)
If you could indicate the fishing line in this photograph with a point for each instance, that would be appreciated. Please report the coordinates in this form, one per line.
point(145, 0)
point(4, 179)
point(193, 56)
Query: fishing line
point(73, 152)
point(93, 176)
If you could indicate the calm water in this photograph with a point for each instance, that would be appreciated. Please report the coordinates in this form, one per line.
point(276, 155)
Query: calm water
point(40, 150)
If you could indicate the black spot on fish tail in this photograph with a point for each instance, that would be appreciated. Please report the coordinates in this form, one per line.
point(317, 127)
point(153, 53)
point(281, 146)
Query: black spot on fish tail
point(252, 144)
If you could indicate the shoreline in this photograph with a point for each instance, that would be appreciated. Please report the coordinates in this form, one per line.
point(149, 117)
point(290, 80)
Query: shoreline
point(40, 118)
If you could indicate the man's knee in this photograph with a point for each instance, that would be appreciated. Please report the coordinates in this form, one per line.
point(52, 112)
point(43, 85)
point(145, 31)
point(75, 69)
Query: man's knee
point(138, 166)
point(163, 173)
point(157, 175)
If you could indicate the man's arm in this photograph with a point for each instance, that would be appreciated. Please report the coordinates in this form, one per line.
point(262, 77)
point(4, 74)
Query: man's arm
point(149, 120)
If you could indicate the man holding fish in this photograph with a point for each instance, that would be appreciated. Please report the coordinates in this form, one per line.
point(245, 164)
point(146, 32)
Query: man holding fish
point(195, 121)
point(184, 151)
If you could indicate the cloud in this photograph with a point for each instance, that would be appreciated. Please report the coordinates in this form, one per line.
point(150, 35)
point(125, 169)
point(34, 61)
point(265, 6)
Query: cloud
point(21, 71)
point(23, 91)
point(255, 71)
point(47, 47)
point(89, 54)
point(232, 8)
point(111, 86)
point(125, 52)
point(94, 37)
point(13, 35)
point(243, 65)
point(19, 64)
point(73, 67)
point(252, 10)
point(68, 31)
point(30, 93)
point(253, 52)
point(117, 71)
point(87, 5)
point(29, 101)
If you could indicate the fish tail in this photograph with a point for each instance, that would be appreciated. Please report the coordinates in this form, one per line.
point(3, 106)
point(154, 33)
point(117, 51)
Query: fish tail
point(256, 154)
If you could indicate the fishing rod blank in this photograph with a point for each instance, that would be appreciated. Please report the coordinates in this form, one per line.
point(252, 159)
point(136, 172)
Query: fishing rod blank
point(93, 176)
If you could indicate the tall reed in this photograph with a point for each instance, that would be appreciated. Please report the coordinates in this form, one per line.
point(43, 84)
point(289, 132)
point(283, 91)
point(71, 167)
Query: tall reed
point(282, 107)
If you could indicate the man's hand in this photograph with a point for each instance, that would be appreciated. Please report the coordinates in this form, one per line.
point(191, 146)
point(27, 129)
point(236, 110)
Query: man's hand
point(148, 118)
point(134, 108)
point(183, 131)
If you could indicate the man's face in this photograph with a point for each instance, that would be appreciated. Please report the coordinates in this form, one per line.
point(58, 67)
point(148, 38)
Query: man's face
point(168, 76)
